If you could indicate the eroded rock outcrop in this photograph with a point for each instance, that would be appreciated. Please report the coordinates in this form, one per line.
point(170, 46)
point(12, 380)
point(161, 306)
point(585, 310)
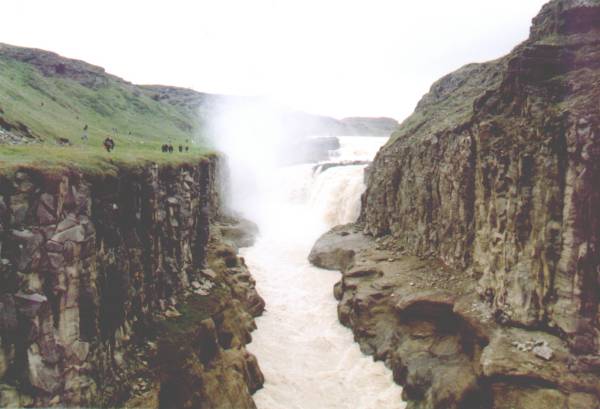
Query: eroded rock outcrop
point(480, 230)
point(441, 339)
point(91, 266)
point(201, 360)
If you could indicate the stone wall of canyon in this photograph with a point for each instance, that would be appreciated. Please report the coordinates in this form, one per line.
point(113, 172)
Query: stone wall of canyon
point(93, 265)
point(498, 171)
point(474, 268)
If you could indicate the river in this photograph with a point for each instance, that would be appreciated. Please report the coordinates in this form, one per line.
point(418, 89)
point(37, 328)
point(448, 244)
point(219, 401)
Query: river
point(309, 359)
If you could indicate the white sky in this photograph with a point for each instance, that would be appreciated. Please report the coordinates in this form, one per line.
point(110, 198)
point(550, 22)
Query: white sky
point(333, 57)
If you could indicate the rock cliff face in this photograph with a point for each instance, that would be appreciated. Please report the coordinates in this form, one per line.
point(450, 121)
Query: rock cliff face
point(507, 183)
point(496, 177)
point(93, 265)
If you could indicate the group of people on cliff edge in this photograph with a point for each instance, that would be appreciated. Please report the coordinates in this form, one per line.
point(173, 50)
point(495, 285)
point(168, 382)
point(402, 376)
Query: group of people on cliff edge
point(167, 147)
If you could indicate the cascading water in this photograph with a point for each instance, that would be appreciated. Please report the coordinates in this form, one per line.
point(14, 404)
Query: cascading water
point(309, 360)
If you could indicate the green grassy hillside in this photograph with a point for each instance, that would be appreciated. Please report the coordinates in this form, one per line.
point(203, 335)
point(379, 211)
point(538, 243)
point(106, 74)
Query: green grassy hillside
point(46, 99)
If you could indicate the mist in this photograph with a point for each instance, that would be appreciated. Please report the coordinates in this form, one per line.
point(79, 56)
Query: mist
point(274, 156)
point(256, 141)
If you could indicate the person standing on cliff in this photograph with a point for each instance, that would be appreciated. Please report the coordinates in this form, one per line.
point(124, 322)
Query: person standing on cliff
point(84, 135)
point(109, 144)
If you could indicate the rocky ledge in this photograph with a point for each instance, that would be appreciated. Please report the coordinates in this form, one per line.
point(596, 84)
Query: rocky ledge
point(444, 343)
point(120, 290)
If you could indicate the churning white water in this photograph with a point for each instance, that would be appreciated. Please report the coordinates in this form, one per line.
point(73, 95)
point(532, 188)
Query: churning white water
point(309, 360)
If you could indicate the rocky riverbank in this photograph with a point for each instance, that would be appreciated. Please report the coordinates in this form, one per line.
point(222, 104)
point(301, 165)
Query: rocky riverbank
point(120, 288)
point(473, 270)
point(442, 341)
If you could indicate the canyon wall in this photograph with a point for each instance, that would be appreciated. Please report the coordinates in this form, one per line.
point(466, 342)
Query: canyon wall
point(474, 268)
point(498, 170)
point(92, 269)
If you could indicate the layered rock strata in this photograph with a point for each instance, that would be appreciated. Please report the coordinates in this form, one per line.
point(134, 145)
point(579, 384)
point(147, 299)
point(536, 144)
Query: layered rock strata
point(497, 170)
point(91, 264)
point(442, 341)
point(493, 185)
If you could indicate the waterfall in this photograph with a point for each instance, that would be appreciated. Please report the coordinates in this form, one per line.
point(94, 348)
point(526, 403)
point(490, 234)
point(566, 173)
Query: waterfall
point(310, 361)
point(335, 194)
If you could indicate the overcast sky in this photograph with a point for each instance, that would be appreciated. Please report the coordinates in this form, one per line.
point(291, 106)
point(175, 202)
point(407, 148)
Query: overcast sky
point(334, 57)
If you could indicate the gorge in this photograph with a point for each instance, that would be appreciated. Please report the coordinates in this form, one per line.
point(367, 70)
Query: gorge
point(462, 252)
point(308, 359)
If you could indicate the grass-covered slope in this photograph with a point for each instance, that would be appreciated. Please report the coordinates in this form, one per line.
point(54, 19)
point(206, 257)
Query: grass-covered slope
point(46, 99)
point(449, 102)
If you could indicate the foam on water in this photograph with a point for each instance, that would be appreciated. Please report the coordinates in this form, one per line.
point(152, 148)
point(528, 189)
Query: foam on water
point(309, 360)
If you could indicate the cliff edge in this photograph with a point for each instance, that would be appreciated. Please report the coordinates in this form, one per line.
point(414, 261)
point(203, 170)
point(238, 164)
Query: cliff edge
point(118, 290)
point(473, 269)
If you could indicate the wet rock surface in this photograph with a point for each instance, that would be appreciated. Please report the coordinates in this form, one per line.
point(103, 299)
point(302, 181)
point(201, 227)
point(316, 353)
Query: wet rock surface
point(93, 267)
point(473, 269)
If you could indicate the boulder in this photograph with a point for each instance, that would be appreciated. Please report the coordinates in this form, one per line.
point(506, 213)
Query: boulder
point(335, 250)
